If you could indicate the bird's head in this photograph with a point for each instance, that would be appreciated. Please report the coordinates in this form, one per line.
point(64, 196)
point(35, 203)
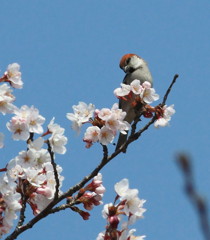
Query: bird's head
point(130, 62)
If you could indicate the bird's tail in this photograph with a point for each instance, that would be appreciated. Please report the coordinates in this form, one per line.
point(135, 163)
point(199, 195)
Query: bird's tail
point(121, 140)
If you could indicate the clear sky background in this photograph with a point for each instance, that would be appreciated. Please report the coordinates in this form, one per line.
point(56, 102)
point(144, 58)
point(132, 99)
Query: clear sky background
point(69, 51)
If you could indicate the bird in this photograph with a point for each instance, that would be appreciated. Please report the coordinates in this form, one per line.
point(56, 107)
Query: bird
point(134, 67)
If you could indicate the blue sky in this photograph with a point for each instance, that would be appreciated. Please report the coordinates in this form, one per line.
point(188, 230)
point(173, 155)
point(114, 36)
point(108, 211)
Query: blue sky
point(69, 51)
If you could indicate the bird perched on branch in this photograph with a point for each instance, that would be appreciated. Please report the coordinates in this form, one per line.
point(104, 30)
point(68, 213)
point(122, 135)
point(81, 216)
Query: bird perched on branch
point(135, 67)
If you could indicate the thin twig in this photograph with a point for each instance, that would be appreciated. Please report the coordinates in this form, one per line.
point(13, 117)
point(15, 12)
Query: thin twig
point(169, 89)
point(135, 122)
point(61, 208)
point(54, 165)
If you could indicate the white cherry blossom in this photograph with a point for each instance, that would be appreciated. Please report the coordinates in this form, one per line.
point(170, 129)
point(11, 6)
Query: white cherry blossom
point(14, 75)
point(123, 91)
point(136, 87)
point(148, 95)
point(6, 99)
point(82, 113)
point(58, 142)
point(92, 134)
point(57, 139)
point(163, 121)
point(106, 136)
point(19, 129)
point(104, 113)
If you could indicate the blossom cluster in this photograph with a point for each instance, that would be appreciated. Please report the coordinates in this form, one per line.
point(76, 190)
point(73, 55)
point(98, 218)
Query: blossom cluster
point(136, 92)
point(13, 77)
point(90, 196)
point(26, 120)
point(105, 122)
point(57, 139)
point(6, 99)
point(30, 176)
point(9, 203)
point(130, 206)
point(142, 91)
point(95, 193)
point(165, 116)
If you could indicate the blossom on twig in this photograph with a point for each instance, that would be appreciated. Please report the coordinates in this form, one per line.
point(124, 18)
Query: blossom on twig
point(130, 205)
point(164, 118)
point(26, 120)
point(105, 122)
point(13, 75)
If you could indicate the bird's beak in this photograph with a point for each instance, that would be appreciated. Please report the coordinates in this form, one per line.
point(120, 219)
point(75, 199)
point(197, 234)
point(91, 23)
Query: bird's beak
point(125, 69)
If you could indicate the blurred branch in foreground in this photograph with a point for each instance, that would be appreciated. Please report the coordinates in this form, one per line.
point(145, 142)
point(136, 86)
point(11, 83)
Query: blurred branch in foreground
point(197, 200)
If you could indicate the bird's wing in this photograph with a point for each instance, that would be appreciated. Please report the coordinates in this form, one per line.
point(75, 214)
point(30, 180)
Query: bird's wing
point(120, 103)
point(124, 80)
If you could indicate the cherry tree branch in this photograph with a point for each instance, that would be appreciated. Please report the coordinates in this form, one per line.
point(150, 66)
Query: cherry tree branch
point(104, 161)
point(169, 90)
point(107, 159)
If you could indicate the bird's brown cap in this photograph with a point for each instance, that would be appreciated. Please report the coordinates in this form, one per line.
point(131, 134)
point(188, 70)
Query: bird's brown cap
point(124, 58)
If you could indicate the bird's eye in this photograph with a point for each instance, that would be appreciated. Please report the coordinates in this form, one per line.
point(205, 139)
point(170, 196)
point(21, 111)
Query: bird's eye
point(128, 60)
